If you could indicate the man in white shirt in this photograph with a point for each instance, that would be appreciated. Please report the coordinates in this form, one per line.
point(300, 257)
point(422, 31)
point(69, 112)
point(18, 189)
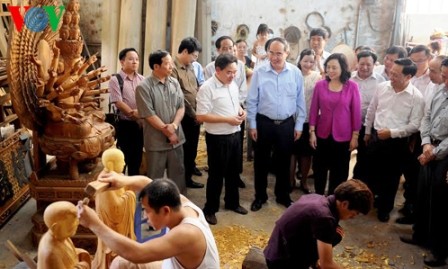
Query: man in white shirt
point(218, 108)
point(225, 44)
point(421, 56)
point(318, 40)
point(394, 114)
point(393, 53)
point(367, 81)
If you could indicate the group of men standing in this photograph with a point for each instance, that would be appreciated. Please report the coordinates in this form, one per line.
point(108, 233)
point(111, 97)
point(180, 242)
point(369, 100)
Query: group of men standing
point(173, 105)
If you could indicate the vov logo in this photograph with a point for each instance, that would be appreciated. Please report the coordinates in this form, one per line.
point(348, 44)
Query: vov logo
point(36, 18)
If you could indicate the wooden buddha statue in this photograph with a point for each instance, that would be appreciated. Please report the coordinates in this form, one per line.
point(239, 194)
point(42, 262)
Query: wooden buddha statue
point(116, 208)
point(56, 249)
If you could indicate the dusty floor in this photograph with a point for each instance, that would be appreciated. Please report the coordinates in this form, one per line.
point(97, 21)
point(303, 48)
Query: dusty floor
point(368, 243)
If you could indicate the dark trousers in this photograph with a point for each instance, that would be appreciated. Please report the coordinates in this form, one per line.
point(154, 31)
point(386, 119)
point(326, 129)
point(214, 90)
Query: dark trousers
point(278, 138)
point(438, 221)
point(130, 141)
point(241, 134)
point(191, 130)
point(422, 205)
point(411, 170)
point(387, 160)
point(361, 166)
point(223, 155)
point(331, 157)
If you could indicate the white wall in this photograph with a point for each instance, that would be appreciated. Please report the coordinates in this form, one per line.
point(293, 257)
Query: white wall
point(338, 15)
point(419, 31)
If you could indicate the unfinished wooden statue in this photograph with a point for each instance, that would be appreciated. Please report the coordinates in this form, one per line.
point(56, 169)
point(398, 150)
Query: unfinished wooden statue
point(54, 96)
point(116, 208)
point(56, 249)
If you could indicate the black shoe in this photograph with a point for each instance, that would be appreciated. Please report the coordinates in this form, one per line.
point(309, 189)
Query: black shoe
point(434, 261)
point(405, 220)
point(256, 205)
point(285, 202)
point(383, 217)
point(196, 172)
point(239, 209)
point(409, 239)
point(241, 183)
point(211, 219)
point(194, 185)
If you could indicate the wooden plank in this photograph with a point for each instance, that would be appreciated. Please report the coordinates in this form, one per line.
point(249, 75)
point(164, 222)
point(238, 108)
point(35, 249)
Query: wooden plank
point(183, 20)
point(109, 43)
point(203, 31)
point(130, 33)
point(155, 34)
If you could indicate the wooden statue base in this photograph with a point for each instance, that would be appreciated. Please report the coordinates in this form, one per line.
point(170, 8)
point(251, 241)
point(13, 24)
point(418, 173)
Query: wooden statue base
point(53, 186)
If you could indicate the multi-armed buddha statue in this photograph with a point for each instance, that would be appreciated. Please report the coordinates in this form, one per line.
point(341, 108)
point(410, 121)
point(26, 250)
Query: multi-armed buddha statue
point(54, 96)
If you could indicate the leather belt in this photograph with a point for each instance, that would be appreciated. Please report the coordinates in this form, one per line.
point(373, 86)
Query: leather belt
point(276, 122)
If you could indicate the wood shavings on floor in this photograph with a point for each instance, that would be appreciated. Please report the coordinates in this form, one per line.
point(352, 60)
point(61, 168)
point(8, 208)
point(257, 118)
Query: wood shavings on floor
point(234, 242)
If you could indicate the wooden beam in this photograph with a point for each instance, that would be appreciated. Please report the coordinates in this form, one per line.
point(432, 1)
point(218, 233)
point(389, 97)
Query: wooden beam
point(156, 28)
point(109, 42)
point(183, 20)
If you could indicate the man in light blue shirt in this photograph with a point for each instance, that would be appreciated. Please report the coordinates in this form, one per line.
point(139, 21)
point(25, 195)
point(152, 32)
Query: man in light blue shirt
point(276, 113)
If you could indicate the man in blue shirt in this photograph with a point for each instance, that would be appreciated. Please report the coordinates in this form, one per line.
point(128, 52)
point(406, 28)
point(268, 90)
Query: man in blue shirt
point(276, 113)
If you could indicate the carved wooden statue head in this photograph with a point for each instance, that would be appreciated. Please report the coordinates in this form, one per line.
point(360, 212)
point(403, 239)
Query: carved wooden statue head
point(113, 160)
point(61, 219)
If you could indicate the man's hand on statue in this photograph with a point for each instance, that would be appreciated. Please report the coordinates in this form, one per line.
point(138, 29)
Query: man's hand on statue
point(113, 178)
point(86, 215)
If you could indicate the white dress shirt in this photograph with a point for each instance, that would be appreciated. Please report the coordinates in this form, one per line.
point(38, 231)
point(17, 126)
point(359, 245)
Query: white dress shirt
point(367, 88)
point(240, 79)
point(400, 112)
point(216, 98)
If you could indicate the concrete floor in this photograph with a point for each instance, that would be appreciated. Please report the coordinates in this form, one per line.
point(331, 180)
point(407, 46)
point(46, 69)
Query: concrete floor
point(368, 243)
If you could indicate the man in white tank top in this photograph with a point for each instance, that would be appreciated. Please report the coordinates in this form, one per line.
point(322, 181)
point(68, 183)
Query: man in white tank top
point(188, 244)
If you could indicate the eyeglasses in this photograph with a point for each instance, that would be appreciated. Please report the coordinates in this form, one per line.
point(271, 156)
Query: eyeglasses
point(276, 54)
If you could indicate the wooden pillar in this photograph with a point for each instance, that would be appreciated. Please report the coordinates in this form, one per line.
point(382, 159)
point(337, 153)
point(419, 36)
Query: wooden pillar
point(130, 34)
point(155, 30)
point(183, 19)
point(203, 30)
point(109, 41)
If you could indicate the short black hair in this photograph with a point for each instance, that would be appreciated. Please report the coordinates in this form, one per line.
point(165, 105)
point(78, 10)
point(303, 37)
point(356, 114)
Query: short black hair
point(345, 73)
point(420, 48)
point(409, 67)
point(367, 53)
point(319, 32)
point(363, 47)
point(191, 44)
point(356, 193)
point(123, 52)
point(445, 62)
point(157, 57)
point(220, 39)
point(223, 60)
point(241, 40)
point(303, 53)
point(402, 53)
point(161, 192)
